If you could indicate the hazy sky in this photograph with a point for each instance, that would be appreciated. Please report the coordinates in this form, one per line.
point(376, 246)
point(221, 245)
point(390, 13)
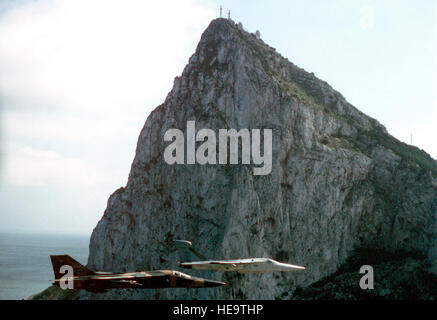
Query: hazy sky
point(79, 78)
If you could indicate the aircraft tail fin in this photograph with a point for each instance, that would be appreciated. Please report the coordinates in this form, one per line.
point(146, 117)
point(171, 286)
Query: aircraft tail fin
point(185, 244)
point(197, 254)
point(62, 260)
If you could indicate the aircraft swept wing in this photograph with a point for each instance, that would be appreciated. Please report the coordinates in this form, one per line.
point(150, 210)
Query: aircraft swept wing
point(84, 278)
point(241, 265)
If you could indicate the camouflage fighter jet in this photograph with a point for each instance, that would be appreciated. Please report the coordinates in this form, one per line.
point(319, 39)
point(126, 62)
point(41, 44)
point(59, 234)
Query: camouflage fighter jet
point(83, 278)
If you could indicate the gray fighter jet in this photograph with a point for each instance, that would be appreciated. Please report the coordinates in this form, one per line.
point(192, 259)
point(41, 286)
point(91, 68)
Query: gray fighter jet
point(239, 265)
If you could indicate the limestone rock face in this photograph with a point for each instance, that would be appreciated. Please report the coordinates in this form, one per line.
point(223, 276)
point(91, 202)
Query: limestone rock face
point(339, 181)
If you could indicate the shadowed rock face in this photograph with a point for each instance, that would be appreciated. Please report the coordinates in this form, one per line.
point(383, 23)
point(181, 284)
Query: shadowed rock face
point(339, 181)
point(397, 276)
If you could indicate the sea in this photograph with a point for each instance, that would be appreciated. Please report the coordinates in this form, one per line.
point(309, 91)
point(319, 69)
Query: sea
point(25, 266)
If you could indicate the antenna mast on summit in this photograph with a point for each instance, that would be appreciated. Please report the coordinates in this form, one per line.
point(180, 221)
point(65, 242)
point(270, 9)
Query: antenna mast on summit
point(229, 14)
point(220, 11)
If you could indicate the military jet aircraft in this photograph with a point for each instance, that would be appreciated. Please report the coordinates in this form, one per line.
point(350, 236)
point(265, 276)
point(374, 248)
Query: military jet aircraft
point(241, 265)
point(238, 265)
point(83, 278)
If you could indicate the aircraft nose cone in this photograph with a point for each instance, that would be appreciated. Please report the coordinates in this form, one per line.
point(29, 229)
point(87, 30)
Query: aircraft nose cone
point(185, 280)
point(213, 283)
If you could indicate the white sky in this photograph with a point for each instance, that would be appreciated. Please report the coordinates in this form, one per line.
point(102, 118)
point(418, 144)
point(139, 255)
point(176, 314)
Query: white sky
point(79, 78)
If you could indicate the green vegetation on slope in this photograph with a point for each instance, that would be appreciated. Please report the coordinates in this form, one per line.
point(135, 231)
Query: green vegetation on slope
point(397, 276)
point(56, 293)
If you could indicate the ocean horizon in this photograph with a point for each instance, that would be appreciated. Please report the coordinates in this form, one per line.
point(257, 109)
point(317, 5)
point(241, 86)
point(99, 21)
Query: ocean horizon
point(25, 266)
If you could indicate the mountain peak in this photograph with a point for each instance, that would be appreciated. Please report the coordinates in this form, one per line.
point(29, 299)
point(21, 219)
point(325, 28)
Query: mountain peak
point(225, 44)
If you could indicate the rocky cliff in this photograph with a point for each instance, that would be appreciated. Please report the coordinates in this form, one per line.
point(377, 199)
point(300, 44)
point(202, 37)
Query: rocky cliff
point(339, 182)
